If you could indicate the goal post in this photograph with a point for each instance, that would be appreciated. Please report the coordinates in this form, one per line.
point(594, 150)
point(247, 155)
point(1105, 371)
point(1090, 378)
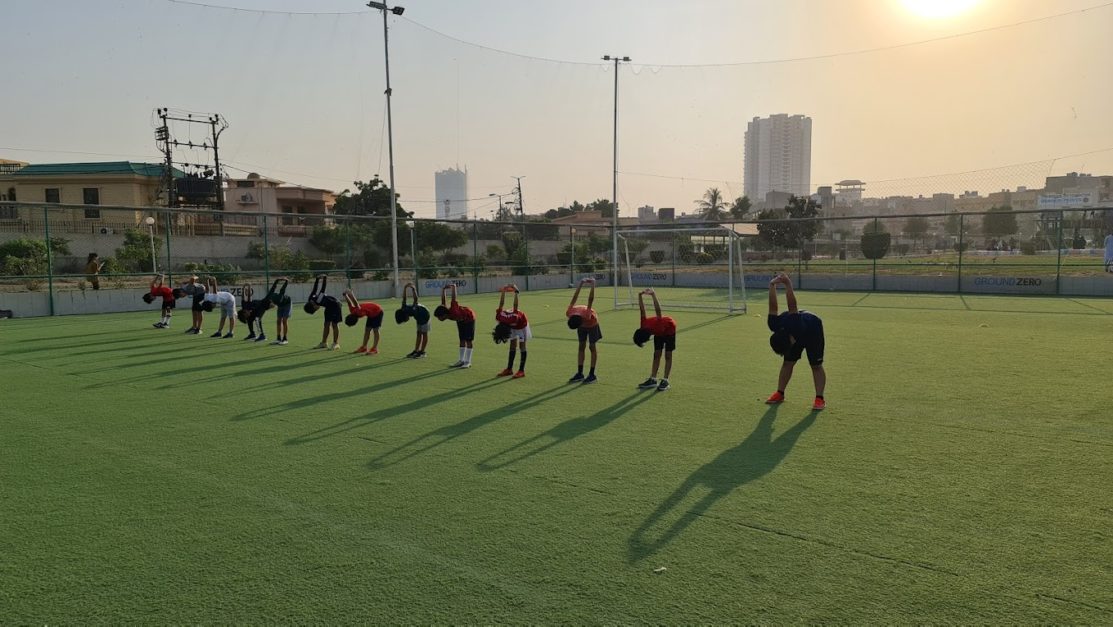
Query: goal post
point(695, 268)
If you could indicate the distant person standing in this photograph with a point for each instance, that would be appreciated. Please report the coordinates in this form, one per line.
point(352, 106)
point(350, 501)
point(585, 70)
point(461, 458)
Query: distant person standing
point(94, 265)
point(1109, 252)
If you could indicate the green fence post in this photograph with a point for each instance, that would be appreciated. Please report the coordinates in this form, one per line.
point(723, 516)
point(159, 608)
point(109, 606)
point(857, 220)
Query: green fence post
point(1059, 253)
point(348, 253)
point(961, 246)
point(674, 259)
point(49, 260)
point(529, 263)
point(876, 226)
point(266, 253)
point(475, 257)
point(169, 268)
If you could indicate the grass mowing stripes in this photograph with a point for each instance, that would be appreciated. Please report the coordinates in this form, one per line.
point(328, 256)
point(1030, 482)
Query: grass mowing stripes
point(960, 473)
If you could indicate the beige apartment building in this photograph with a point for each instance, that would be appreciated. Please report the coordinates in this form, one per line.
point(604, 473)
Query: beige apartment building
point(301, 207)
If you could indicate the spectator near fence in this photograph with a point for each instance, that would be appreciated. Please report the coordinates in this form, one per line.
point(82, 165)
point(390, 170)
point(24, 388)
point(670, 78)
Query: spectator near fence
point(92, 270)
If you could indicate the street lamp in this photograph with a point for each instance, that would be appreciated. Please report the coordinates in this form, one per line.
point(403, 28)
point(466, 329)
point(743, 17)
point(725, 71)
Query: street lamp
point(614, 180)
point(413, 247)
point(150, 222)
point(572, 270)
point(390, 139)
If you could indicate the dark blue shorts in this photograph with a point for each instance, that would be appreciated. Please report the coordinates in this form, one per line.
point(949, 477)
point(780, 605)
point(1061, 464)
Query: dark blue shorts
point(284, 309)
point(466, 329)
point(593, 335)
point(376, 322)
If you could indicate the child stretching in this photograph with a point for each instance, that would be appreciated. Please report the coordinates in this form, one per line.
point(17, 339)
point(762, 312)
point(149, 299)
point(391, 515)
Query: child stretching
point(317, 299)
point(168, 297)
point(374, 314)
point(465, 324)
point(193, 287)
point(227, 304)
point(283, 303)
point(663, 331)
point(586, 323)
point(512, 325)
point(420, 314)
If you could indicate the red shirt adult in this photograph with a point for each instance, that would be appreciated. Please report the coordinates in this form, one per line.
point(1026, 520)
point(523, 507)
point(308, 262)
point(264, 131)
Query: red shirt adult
point(166, 293)
point(585, 312)
point(366, 310)
point(460, 314)
point(662, 326)
point(512, 319)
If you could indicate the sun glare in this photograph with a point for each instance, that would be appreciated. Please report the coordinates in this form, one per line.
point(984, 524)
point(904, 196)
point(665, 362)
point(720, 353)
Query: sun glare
point(938, 9)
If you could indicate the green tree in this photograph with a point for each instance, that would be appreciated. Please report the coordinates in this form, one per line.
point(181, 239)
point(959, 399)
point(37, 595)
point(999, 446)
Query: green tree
point(789, 227)
point(370, 199)
point(999, 222)
point(875, 241)
point(135, 254)
point(712, 206)
point(740, 207)
point(436, 236)
point(952, 223)
point(916, 227)
point(603, 206)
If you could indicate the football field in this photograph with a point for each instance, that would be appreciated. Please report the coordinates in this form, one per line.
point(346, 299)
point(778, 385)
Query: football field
point(962, 471)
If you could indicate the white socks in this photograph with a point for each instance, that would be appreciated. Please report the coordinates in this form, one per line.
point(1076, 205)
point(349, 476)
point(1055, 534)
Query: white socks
point(466, 358)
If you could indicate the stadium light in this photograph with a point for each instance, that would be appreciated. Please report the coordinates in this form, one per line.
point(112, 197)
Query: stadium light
point(390, 141)
point(150, 222)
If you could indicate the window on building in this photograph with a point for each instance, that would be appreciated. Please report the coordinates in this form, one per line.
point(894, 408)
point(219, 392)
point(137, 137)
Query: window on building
point(52, 194)
point(91, 196)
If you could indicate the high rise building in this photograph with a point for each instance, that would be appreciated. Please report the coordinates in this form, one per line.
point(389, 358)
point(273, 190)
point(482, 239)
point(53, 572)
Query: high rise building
point(778, 156)
point(452, 194)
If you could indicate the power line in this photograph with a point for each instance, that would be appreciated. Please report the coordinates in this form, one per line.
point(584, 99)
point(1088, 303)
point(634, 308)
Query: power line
point(263, 11)
point(816, 57)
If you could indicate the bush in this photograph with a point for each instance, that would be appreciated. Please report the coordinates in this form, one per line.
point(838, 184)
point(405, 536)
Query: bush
point(1028, 248)
point(322, 265)
point(135, 254)
point(875, 245)
point(657, 256)
point(225, 273)
point(704, 258)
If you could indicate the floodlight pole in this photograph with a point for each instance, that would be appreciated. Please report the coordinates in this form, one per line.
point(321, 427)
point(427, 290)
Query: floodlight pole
point(390, 141)
point(614, 180)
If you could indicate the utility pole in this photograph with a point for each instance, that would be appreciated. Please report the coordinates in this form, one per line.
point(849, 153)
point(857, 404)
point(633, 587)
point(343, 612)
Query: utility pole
point(521, 204)
point(614, 180)
point(390, 141)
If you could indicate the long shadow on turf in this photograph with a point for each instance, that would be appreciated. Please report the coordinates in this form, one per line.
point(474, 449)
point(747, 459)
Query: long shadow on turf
point(211, 363)
point(389, 412)
point(752, 459)
point(310, 401)
point(68, 343)
point(563, 432)
point(431, 440)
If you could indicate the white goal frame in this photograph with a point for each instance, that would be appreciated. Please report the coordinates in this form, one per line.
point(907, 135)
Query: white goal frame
point(736, 275)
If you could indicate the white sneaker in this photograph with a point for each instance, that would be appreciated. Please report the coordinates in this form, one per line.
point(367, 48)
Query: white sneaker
point(283, 342)
point(466, 364)
point(336, 346)
point(458, 364)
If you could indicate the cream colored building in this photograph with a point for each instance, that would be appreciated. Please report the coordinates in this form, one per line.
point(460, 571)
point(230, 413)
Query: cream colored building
point(301, 207)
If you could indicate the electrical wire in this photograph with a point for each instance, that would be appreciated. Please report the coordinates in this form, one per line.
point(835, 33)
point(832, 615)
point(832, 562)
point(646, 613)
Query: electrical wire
point(263, 11)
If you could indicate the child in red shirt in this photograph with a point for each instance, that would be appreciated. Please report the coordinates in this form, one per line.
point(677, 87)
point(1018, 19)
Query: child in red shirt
point(158, 290)
point(464, 318)
point(374, 314)
point(663, 331)
point(513, 326)
point(585, 322)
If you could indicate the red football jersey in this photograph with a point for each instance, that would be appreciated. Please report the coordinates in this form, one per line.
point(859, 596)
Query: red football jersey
point(165, 292)
point(369, 310)
point(460, 314)
point(585, 312)
point(512, 319)
point(663, 326)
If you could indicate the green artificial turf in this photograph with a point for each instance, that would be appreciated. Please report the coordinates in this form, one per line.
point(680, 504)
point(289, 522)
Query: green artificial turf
point(961, 472)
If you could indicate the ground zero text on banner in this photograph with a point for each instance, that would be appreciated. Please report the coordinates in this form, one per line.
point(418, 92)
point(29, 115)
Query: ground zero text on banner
point(1008, 281)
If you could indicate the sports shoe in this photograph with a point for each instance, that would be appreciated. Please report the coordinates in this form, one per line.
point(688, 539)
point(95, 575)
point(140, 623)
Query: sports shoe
point(159, 325)
point(190, 330)
point(590, 379)
point(283, 342)
point(466, 364)
point(196, 331)
point(664, 385)
point(228, 335)
point(579, 376)
point(217, 334)
point(505, 372)
point(277, 342)
point(457, 364)
point(411, 355)
point(321, 345)
point(372, 351)
point(420, 355)
point(774, 398)
point(336, 346)
point(518, 375)
point(249, 337)
point(261, 338)
point(361, 349)
point(819, 404)
point(647, 384)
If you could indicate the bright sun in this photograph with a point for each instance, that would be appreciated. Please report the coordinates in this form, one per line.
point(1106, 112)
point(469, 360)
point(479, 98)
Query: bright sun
point(935, 9)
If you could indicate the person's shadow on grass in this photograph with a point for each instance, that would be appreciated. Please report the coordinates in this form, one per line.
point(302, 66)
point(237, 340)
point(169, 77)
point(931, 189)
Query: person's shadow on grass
point(752, 459)
point(431, 440)
point(563, 432)
point(422, 403)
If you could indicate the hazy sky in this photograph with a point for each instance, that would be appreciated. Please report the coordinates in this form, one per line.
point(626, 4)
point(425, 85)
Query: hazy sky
point(304, 93)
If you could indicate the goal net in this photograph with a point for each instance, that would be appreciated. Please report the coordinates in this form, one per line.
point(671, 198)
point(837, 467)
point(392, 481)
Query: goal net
point(699, 267)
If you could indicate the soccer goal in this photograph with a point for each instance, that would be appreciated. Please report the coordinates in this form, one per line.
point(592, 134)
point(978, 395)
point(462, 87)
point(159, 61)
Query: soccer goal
point(696, 268)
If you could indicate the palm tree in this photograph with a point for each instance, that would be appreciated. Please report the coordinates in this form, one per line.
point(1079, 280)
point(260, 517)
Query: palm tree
point(712, 206)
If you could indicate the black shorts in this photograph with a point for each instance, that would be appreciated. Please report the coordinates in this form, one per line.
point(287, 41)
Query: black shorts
point(667, 342)
point(376, 322)
point(466, 329)
point(814, 346)
point(198, 300)
point(593, 335)
point(332, 314)
point(168, 303)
